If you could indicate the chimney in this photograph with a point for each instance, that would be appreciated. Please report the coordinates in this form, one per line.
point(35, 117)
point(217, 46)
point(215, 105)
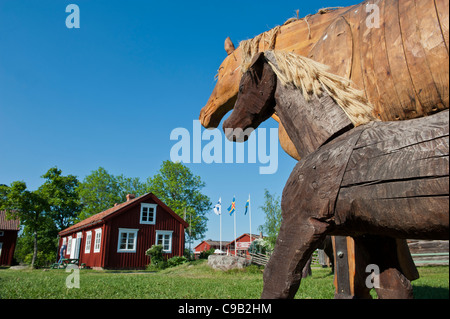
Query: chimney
point(130, 197)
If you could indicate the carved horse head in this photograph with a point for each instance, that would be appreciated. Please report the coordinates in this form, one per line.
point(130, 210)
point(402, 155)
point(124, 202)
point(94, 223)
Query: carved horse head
point(255, 102)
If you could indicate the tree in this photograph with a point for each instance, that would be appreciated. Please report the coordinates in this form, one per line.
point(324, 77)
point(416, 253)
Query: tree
point(42, 213)
point(180, 189)
point(28, 206)
point(272, 211)
point(101, 190)
point(61, 194)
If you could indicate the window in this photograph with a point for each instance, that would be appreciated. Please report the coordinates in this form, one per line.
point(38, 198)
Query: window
point(87, 248)
point(148, 213)
point(69, 245)
point(164, 238)
point(98, 240)
point(2, 233)
point(127, 240)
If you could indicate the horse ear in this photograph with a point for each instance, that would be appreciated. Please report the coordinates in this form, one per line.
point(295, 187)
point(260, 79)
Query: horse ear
point(257, 59)
point(229, 46)
point(257, 64)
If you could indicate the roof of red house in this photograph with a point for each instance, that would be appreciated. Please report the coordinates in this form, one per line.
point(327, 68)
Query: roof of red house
point(245, 234)
point(213, 243)
point(8, 224)
point(100, 217)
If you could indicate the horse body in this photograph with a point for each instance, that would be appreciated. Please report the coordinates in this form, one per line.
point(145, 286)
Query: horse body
point(378, 179)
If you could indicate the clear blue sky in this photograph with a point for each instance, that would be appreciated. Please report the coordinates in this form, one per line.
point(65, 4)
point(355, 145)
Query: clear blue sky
point(109, 93)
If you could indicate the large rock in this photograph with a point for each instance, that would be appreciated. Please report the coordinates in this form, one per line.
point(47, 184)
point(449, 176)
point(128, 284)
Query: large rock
point(227, 262)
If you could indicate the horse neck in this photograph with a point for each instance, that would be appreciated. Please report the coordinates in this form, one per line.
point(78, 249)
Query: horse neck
point(309, 124)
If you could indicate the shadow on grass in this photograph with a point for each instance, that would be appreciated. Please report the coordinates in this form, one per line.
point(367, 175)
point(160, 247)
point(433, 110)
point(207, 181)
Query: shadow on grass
point(427, 292)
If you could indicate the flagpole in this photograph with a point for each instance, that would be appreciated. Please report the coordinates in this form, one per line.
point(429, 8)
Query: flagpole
point(220, 216)
point(235, 254)
point(250, 216)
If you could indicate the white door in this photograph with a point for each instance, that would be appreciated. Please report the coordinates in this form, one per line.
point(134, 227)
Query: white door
point(75, 252)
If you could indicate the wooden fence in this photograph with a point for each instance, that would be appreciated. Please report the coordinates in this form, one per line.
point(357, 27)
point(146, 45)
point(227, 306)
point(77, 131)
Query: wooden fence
point(262, 260)
point(429, 252)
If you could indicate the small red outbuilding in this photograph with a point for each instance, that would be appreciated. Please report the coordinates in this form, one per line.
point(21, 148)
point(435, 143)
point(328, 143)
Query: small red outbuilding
point(117, 238)
point(8, 237)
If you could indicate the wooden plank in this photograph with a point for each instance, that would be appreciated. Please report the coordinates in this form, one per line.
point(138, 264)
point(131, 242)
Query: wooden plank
point(354, 18)
point(339, 37)
point(384, 148)
point(435, 50)
point(351, 260)
point(397, 61)
point(419, 70)
point(391, 166)
point(442, 9)
point(341, 269)
point(389, 102)
point(367, 64)
point(300, 36)
point(429, 252)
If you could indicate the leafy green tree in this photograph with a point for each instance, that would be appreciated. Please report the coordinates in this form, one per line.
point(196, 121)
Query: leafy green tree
point(28, 206)
point(180, 189)
point(42, 213)
point(61, 194)
point(101, 190)
point(272, 211)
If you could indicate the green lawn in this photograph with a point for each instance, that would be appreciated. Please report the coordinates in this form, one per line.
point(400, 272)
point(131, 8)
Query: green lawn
point(188, 281)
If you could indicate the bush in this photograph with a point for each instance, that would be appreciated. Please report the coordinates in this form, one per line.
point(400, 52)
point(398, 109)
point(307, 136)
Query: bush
point(158, 262)
point(176, 260)
point(260, 246)
point(205, 254)
point(156, 256)
point(42, 259)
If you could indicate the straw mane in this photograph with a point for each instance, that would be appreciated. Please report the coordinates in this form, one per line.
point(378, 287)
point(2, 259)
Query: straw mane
point(251, 47)
point(312, 79)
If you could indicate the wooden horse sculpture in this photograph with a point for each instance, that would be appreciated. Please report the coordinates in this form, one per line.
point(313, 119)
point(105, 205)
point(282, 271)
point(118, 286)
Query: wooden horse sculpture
point(401, 64)
point(386, 179)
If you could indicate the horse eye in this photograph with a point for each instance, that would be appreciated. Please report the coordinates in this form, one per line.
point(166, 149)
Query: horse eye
point(241, 88)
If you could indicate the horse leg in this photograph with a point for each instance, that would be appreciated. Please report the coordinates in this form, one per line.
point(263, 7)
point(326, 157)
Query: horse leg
point(308, 205)
point(296, 241)
point(380, 252)
point(394, 285)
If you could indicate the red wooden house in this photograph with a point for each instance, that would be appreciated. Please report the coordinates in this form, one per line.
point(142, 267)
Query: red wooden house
point(117, 238)
point(8, 238)
point(209, 244)
point(242, 243)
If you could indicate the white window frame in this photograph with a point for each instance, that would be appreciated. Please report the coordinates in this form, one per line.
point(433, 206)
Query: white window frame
point(98, 240)
point(69, 245)
point(87, 246)
point(163, 233)
point(148, 206)
point(127, 231)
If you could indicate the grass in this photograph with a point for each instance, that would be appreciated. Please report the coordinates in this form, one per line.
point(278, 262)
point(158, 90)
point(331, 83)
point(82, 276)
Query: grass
point(188, 281)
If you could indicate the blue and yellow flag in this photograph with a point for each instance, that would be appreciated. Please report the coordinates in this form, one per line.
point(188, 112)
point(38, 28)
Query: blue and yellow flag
point(232, 207)
point(246, 205)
